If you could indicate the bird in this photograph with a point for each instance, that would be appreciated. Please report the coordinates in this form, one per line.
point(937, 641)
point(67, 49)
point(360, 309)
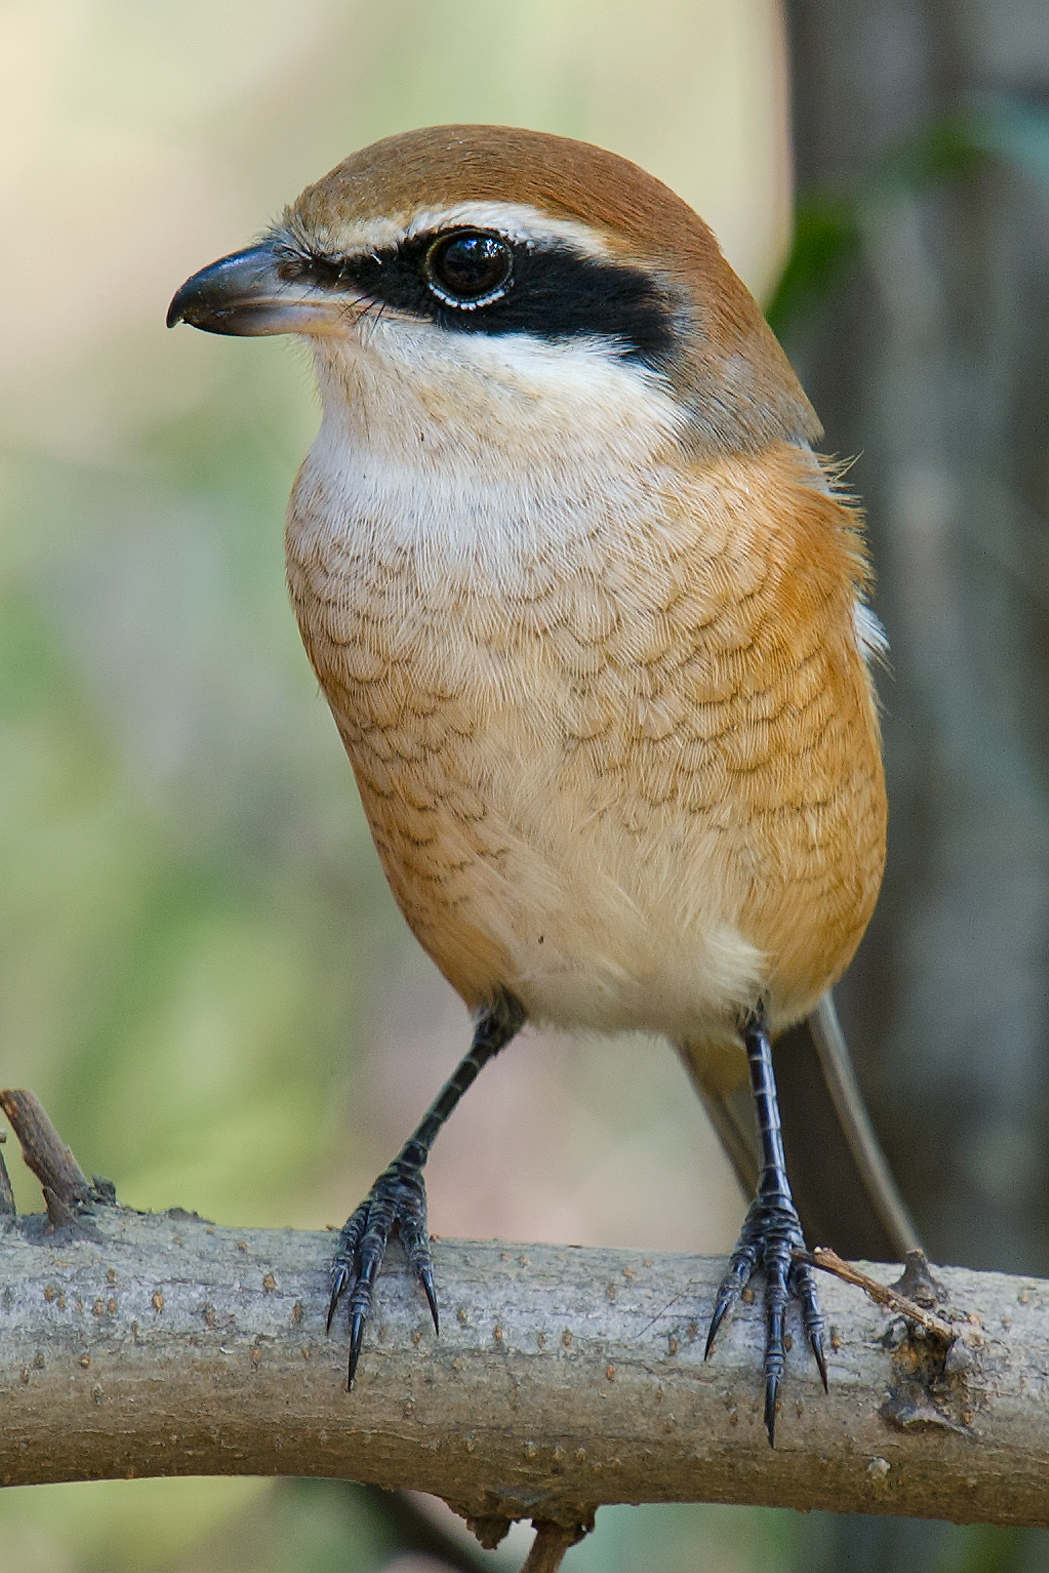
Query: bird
point(591, 614)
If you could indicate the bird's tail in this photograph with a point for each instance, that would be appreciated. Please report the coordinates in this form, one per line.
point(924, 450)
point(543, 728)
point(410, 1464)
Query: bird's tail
point(843, 1188)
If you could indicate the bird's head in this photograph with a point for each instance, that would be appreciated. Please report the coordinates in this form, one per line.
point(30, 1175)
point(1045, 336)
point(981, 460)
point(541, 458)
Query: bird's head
point(461, 258)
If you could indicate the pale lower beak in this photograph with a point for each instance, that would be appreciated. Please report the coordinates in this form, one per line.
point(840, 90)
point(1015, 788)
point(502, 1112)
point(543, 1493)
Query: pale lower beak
point(244, 294)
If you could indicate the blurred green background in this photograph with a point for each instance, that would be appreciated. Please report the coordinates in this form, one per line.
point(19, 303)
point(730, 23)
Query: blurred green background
point(201, 971)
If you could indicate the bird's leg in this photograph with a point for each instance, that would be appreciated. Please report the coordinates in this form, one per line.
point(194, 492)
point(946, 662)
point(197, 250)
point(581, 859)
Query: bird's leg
point(397, 1200)
point(770, 1233)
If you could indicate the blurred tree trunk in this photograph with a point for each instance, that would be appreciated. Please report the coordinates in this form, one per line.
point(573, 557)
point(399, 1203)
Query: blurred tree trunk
point(932, 366)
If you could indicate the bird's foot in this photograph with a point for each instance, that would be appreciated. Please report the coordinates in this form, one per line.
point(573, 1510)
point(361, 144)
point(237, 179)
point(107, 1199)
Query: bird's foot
point(771, 1233)
point(395, 1203)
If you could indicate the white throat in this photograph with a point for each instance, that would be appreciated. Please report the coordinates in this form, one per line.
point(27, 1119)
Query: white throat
point(467, 447)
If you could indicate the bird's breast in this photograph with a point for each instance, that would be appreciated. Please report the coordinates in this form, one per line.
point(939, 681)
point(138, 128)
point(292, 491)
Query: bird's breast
point(613, 732)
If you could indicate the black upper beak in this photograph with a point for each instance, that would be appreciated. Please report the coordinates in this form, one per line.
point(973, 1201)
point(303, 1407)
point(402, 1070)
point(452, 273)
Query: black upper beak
point(239, 294)
point(245, 294)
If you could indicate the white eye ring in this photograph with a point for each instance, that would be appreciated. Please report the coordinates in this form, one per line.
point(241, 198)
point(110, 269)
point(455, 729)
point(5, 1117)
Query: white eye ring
point(448, 297)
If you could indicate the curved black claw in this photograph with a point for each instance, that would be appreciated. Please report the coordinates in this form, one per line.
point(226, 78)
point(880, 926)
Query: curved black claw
point(771, 1233)
point(396, 1203)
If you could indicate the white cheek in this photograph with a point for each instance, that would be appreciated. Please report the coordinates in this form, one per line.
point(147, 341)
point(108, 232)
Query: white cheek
point(471, 445)
point(476, 384)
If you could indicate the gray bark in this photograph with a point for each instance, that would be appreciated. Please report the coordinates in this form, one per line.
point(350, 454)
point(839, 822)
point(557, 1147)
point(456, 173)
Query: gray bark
point(932, 366)
point(562, 1379)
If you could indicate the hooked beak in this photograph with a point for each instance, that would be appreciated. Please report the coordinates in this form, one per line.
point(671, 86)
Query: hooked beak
point(244, 294)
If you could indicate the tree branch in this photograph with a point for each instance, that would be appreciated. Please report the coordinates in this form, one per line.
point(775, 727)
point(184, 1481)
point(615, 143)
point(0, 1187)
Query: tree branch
point(562, 1378)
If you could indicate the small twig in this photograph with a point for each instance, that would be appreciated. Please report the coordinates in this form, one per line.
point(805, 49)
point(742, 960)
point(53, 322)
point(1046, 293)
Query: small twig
point(830, 1262)
point(549, 1547)
point(7, 1195)
point(44, 1150)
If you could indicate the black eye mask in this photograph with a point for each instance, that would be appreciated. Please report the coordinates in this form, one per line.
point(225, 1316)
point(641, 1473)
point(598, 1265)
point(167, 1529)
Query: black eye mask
point(471, 280)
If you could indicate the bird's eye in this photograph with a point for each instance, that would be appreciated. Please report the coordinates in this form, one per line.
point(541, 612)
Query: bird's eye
point(468, 268)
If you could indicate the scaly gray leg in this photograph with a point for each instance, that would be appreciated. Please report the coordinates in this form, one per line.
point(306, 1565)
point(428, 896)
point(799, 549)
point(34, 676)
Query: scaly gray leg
point(770, 1233)
point(397, 1200)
